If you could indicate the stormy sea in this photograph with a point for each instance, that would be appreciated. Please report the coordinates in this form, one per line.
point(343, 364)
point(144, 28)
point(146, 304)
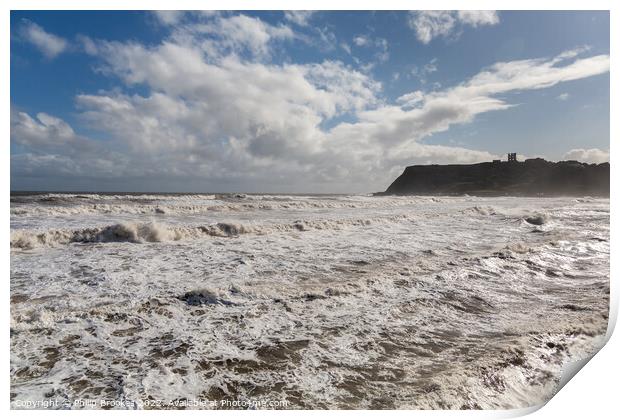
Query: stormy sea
point(314, 301)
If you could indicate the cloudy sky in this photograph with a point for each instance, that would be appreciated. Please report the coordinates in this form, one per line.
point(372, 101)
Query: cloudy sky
point(297, 101)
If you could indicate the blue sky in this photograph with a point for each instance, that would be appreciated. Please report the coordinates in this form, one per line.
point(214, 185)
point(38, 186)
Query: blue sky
point(297, 102)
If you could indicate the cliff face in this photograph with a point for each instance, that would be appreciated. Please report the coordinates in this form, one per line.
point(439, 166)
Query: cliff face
point(532, 177)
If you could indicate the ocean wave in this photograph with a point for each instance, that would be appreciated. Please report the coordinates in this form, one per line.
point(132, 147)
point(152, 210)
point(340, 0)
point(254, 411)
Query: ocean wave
point(481, 210)
point(69, 205)
point(123, 232)
point(159, 232)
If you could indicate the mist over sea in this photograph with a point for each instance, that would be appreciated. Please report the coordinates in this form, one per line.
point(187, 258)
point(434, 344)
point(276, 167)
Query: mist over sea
point(325, 301)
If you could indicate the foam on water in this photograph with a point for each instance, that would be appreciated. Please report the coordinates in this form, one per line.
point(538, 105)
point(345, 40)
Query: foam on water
point(332, 302)
point(92, 204)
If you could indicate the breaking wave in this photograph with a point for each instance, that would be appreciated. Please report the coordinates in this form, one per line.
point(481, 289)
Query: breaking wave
point(481, 210)
point(186, 205)
point(159, 232)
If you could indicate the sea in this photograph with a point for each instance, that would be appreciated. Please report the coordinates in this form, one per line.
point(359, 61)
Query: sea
point(302, 301)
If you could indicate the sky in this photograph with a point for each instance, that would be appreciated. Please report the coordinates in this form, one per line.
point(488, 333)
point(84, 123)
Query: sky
point(306, 102)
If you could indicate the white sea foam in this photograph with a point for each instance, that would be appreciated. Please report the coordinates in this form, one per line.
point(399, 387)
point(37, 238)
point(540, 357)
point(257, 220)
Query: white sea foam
point(331, 302)
point(158, 232)
point(93, 204)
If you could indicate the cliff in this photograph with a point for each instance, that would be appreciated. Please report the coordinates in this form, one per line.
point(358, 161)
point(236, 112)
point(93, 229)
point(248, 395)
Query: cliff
point(532, 177)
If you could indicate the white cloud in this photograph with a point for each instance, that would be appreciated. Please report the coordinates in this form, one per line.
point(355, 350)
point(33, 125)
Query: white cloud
point(299, 17)
point(478, 17)
point(324, 39)
point(53, 148)
point(87, 44)
point(49, 44)
point(436, 23)
point(437, 111)
point(587, 155)
point(360, 40)
point(431, 66)
point(381, 54)
point(221, 111)
point(44, 131)
point(237, 34)
point(431, 24)
point(169, 17)
point(176, 17)
point(422, 73)
point(533, 74)
point(411, 99)
point(562, 97)
point(573, 53)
